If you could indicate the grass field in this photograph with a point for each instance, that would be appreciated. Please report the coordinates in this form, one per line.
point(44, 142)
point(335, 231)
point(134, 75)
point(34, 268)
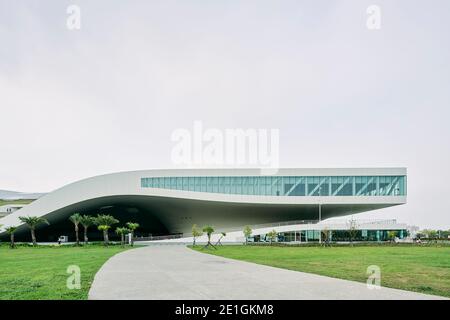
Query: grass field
point(420, 269)
point(40, 273)
point(22, 201)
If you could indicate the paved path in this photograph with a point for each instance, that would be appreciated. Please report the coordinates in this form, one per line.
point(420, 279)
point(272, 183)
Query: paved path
point(177, 272)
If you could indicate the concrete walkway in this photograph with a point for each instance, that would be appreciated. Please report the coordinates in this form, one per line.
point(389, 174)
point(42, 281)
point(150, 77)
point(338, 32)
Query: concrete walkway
point(177, 272)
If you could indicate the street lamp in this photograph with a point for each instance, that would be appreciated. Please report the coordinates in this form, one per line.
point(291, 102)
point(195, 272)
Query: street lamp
point(320, 216)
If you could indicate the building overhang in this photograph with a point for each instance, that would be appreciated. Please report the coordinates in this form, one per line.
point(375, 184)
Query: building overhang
point(178, 210)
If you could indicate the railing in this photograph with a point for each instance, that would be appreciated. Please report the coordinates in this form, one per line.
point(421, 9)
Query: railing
point(282, 223)
point(154, 238)
point(363, 221)
point(256, 226)
point(294, 222)
point(269, 225)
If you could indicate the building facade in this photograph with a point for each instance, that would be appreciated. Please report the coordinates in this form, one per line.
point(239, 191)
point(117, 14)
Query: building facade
point(170, 201)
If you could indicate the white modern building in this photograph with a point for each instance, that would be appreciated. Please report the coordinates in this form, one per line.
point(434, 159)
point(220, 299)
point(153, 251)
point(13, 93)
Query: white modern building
point(168, 202)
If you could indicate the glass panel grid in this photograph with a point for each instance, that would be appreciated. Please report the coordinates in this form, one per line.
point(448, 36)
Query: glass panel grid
point(285, 185)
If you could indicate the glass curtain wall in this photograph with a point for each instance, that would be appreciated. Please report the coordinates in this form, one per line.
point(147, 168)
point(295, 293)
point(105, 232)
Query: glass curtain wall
point(285, 186)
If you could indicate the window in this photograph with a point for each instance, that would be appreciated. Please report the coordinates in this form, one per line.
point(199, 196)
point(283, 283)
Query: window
point(251, 185)
point(371, 189)
point(359, 184)
point(203, 184)
point(173, 183)
point(299, 187)
point(191, 184)
point(197, 183)
point(261, 186)
point(324, 188)
point(313, 186)
point(238, 185)
point(348, 188)
point(285, 186)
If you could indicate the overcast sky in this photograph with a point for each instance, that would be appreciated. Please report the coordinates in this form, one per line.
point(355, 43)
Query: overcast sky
point(107, 97)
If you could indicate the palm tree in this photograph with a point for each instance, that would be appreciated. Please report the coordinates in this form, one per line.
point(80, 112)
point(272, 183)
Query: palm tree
point(353, 230)
point(121, 231)
point(391, 235)
point(222, 234)
point(104, 223)
point(131, 227)
point(195, 233)
point(76, 219)
point(247, 233)
point(272, 235)
point(325, 236)
point(86, 221)
point(11, 231)
point(32, 222)
point(209, 231)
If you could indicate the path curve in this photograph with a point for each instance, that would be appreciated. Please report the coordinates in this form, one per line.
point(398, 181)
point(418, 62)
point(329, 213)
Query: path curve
point(177, 272)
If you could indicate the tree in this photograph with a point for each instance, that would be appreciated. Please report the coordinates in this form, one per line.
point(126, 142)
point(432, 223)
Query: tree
point(104, 223)
point(325, 236)
point(420, 235)
point(222, 234)
point(431, 234)
point(121, 231)
point(86, 222)
point(209, 230)
point(195, 233)
point(76, 219)
point(391, 235)
point(445, 234)
point(132, 226)
point(408, 233)
point(32, 223)
point(352, 230)
point(104, 229)
point(247, 233)
point(10, 231)
point(272, 235)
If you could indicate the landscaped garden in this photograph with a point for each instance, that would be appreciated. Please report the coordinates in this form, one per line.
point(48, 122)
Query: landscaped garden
point(424, 269)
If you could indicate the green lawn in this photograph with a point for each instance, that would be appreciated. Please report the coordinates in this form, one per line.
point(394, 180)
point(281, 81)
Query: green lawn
point(420, 269)
point(21, 201)
point(40, 273)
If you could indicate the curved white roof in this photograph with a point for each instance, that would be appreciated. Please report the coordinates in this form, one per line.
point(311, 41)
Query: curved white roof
point(96, 191)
